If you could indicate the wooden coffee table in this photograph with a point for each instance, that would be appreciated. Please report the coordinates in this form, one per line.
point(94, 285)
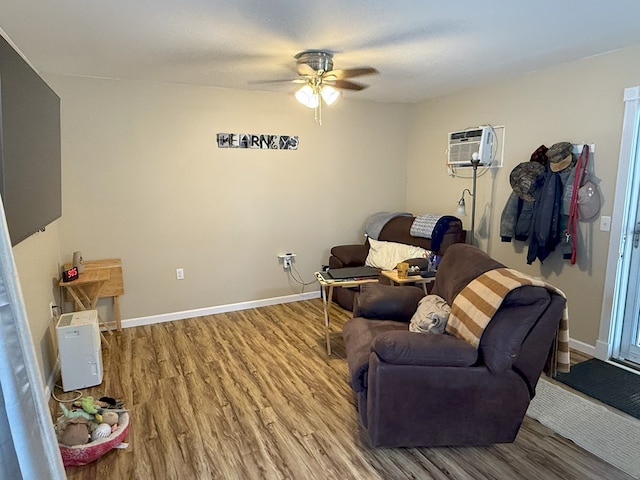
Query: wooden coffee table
point(326, 287)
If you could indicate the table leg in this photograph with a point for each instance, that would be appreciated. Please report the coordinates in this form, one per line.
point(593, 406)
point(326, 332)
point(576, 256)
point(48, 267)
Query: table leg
point(116, 312)
point(327, 306)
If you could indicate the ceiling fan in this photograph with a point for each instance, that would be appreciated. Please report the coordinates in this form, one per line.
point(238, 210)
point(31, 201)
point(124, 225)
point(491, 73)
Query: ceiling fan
point(321, 83)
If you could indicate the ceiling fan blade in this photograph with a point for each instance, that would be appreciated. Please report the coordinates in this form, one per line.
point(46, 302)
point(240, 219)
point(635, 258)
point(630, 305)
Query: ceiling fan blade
point(288, 80)
point(350, 73)
point(346, 85)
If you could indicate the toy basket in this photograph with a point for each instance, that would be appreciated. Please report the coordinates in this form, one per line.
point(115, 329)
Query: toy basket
point(90, 452)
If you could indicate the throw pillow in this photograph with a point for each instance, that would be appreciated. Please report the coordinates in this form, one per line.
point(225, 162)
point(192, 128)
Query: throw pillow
point(386, 255)
point(430, 316)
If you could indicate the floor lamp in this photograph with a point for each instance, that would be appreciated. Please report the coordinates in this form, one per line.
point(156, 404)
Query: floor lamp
point(462, 211)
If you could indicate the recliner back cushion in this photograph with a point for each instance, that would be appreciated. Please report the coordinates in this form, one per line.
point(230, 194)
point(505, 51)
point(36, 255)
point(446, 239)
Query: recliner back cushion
point(460, 264)
point(502, 338)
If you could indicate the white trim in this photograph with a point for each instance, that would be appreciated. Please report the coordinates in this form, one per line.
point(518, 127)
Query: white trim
point(582, 347)
point(607, 336)
point(232, 307)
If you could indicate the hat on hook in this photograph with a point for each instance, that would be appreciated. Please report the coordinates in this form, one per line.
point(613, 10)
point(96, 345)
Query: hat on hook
point(525, 179)
point(560, 156)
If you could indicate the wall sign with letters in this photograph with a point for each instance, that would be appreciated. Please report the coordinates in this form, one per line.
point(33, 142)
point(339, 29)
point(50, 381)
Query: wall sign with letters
point(260, 142)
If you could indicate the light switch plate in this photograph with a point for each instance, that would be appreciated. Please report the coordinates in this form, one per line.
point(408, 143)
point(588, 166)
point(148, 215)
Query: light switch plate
point(605, 223)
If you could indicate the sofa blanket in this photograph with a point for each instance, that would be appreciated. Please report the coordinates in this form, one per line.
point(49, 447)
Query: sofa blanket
point(432, 226)
point(474, 307)
point(376, 222)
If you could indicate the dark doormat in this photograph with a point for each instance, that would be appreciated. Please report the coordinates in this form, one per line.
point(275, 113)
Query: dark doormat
point(612, 385)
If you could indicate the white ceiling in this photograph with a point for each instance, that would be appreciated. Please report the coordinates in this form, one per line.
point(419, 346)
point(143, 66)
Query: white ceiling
point(422, 48)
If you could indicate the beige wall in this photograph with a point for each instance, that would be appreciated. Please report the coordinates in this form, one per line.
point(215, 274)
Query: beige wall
point(37, 262)
point(144, 181)
point(577, 102)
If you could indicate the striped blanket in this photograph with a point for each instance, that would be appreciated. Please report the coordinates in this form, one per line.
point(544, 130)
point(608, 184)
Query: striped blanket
point(476, 304)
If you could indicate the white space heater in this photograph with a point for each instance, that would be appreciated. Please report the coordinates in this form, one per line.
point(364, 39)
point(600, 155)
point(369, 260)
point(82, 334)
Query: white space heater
point(79, 349)
point(463, 144)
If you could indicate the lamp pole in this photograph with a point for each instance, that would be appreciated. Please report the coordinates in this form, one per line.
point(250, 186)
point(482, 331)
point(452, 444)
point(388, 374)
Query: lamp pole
point(475, 161)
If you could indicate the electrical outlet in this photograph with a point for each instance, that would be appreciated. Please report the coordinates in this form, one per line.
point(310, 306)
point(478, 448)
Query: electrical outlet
point(179, 273)
point(52, 310)
point(287, 260)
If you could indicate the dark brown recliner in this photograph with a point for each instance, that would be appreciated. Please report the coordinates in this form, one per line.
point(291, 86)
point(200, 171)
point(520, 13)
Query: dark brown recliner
point(395, 230)
point(416, 389)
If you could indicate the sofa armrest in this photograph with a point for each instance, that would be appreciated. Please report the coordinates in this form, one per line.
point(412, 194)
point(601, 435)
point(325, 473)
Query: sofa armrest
point(385, 302)
point(434, 350)
point(351, 255)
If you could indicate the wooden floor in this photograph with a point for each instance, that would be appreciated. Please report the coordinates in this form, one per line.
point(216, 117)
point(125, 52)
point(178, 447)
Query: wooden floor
point(253, 395)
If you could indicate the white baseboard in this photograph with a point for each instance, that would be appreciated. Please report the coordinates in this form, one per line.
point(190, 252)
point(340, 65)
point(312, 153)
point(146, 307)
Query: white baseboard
point(232, 307)
point(582, 347)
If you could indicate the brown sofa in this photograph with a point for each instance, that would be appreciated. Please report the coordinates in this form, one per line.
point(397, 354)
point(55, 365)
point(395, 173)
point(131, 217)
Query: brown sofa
point(395, 230)
point(417, 389)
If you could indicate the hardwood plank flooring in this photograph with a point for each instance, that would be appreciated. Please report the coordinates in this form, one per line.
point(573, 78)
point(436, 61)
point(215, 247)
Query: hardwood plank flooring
point(253, 395)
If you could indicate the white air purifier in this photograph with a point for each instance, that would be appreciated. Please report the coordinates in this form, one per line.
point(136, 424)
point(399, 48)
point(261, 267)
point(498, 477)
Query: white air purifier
point(79, 349)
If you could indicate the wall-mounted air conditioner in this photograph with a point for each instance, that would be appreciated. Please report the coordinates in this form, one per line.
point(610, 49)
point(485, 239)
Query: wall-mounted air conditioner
point(463, 144)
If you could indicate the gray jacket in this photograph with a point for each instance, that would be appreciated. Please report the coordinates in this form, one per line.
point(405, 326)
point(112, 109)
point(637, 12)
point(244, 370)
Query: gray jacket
point(516, 219)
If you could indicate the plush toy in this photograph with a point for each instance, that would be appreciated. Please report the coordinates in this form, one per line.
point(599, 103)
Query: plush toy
point(75, 413)
point(109, 417)
point(88, 406)
point(101, 431)
point(74, 431)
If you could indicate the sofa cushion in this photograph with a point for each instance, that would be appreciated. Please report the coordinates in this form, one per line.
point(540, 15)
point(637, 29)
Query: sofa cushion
point(386, 302)
point(409, 348)
point(503, 337)
point(386, 255)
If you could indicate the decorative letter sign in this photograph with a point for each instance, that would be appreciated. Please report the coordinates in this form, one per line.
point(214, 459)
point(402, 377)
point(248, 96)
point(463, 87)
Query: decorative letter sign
point(260, 142)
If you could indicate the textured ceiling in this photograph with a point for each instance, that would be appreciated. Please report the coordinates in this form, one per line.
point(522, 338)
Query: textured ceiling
point(422, 49)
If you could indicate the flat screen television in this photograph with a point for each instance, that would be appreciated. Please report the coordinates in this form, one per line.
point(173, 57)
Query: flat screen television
point(30, 156)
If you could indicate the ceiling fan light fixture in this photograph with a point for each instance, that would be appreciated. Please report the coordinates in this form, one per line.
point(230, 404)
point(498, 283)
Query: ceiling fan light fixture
point(308, 97)
point(329, 94)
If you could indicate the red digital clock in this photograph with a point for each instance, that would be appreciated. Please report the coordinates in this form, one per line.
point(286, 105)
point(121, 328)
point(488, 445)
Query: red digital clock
point(69, 275)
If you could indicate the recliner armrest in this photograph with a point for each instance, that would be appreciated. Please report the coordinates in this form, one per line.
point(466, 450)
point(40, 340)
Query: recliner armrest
point(385, 302)
point(351, 255)
point(434, 350)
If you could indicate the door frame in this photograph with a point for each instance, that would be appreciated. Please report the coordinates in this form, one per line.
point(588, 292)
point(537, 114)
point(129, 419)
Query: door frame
point(621, 237)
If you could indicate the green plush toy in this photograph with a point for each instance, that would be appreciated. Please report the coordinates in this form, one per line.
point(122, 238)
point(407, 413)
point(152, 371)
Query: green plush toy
point(75, 413)
point(88, 406)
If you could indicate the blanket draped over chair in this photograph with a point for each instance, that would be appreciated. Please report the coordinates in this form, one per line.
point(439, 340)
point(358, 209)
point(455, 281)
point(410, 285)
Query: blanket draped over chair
point(476, 304)
point(432, 226)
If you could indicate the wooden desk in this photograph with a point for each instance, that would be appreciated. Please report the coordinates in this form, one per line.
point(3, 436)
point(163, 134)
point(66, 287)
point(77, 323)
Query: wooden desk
point(113, 286)
point(326, 286)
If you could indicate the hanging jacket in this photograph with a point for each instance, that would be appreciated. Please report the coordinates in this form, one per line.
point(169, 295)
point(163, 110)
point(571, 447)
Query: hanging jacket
point(516, 219)
point(546, 231)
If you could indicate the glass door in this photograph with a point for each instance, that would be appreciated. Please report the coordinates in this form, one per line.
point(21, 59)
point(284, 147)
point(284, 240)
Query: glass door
point(630, 274)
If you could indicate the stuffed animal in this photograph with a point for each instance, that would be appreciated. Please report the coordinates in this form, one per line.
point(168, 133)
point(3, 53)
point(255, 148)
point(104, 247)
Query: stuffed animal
point(75, 413)
point(109, 417)
point(101, 431)
point(88, 406)
point(74, 431)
